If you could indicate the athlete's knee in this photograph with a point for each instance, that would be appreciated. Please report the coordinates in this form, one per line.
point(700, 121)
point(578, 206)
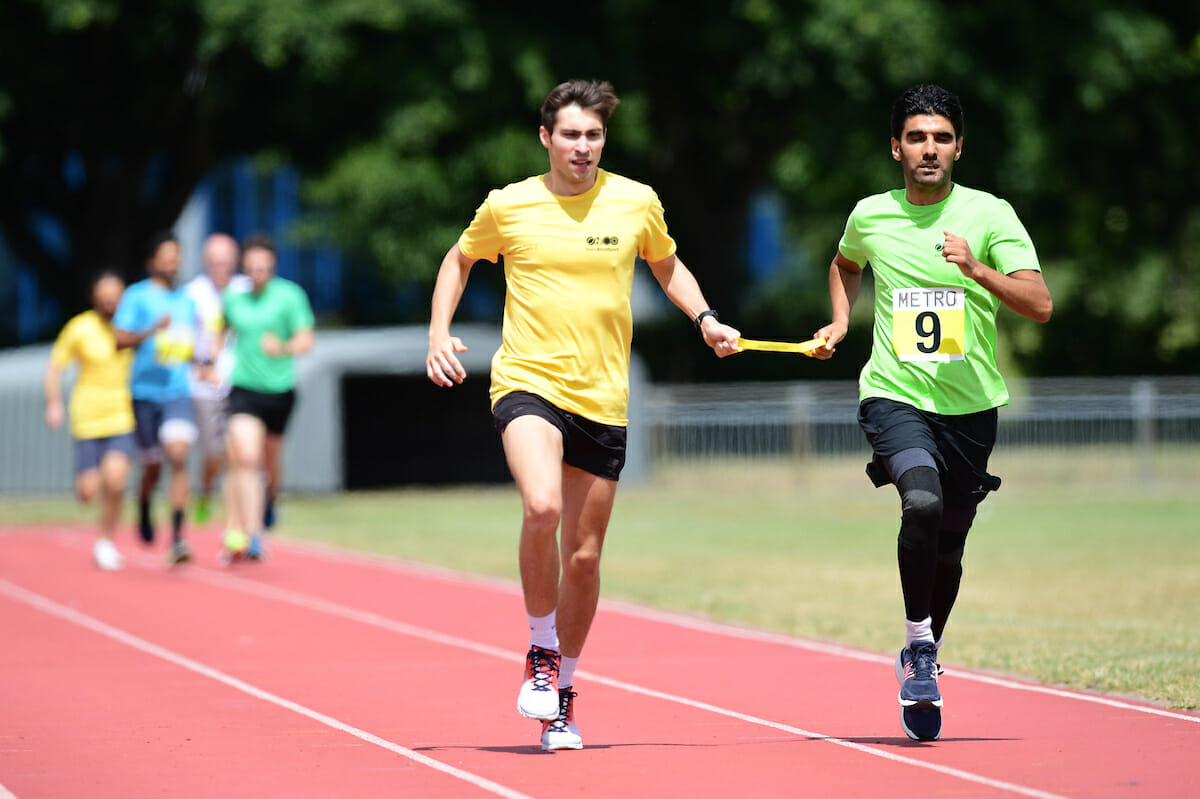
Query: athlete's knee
point(114, 482)
point(959, 517)
point(584, 564)
point(114, 470)
point(921, 507)
point(87, 485)
point(244, 457)
point(151, 466)
point(542, 512)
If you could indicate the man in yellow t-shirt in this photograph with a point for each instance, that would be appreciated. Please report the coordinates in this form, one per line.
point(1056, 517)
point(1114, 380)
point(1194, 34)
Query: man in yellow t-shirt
point(101, 409)
point(570, 240)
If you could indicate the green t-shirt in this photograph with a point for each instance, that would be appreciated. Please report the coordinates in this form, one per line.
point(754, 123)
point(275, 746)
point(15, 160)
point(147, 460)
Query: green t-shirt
point(281, 308)
point(934, 345)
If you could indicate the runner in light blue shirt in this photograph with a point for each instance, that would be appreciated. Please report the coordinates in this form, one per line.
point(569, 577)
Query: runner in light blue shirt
point(163, 359)
point(158, 319)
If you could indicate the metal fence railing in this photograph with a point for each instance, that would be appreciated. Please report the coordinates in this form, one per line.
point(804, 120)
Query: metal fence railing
point(749, 420)
point(679, 422)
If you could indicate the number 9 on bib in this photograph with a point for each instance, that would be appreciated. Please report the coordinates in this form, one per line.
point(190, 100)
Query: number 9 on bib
point(929, 324)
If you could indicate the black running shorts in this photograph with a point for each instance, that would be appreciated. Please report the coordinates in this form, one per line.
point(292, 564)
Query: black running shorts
point(596, 448)
point(273, 410)
point(961, 445)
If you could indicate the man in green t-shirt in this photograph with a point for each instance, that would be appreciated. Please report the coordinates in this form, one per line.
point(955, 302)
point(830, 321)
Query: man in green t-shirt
point(944, 258)
point(272, 323)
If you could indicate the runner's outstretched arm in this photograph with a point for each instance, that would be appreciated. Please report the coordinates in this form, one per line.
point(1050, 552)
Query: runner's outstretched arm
point(681, 288)
point(845, 279)
point(442, 364)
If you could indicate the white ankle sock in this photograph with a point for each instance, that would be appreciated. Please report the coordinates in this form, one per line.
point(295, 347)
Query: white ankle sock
point(543, 632)
point(918, 630)
point(566, 671)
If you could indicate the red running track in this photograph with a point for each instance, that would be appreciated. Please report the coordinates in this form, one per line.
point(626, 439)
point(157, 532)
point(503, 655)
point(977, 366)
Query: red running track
point(326, 673)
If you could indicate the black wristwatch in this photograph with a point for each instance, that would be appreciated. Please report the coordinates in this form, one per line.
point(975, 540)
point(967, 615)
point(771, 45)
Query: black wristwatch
point(700, 319)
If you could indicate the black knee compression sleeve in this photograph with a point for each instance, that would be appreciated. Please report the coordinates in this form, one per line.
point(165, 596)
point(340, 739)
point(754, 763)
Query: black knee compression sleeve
point(917, 546)
point(921, 508)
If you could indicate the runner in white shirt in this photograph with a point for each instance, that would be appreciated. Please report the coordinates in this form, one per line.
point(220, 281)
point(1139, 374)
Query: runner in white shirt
point(213, 361)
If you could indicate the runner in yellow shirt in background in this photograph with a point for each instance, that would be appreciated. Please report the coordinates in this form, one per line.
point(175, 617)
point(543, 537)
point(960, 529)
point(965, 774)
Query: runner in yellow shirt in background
point(101, 409)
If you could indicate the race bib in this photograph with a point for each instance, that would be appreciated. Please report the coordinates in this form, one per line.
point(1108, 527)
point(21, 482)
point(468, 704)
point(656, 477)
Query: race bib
point(929, 324)
point(173, 346)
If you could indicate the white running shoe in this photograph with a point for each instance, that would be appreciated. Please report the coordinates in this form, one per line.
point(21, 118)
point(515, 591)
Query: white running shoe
point(561, 733)
point(538, 698)
point(106, 555)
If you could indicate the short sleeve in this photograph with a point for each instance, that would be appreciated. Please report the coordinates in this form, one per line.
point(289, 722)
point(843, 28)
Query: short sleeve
point(128, 316)
point(302, 315)
point(851, 244)
point(1010, 248)
point(481, 239)
point(657, 243)
point(63, 351)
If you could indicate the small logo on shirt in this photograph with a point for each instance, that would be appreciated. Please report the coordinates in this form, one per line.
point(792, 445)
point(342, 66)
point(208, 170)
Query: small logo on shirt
point(602, 242)
point(937, 247)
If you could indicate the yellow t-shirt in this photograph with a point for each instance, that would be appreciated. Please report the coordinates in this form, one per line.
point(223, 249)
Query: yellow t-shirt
point(101, 404)
point(568, 266)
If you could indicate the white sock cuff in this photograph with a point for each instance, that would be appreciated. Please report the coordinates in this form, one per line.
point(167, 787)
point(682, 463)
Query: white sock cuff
point(543, 631)
point(566, 672)
point(918, 630)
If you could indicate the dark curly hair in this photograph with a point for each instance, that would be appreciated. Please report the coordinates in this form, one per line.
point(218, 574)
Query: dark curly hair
point(926, 99)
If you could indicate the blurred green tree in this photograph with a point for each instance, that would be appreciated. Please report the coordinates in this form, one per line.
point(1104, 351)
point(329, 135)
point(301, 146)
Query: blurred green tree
point(1080, 115)
point(111, 111)
point(403, 113)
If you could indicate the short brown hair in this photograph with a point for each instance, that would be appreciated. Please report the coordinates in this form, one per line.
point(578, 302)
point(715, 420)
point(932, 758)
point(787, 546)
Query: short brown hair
point(599, 98)
point(261, 241)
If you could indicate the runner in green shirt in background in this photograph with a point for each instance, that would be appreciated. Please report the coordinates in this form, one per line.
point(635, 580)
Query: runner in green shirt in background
point(272, 323)
point(944, 258)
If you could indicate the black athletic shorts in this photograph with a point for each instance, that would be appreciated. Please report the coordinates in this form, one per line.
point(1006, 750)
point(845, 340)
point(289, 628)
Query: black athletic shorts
point(273, 410)
point(960, 445)
point(596, 448)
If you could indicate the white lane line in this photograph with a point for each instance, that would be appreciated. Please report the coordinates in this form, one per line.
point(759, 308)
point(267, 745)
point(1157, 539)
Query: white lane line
point(717, 628)
point(52, 608)
point(402, 566)
point(374, 619)
point(949, 771)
